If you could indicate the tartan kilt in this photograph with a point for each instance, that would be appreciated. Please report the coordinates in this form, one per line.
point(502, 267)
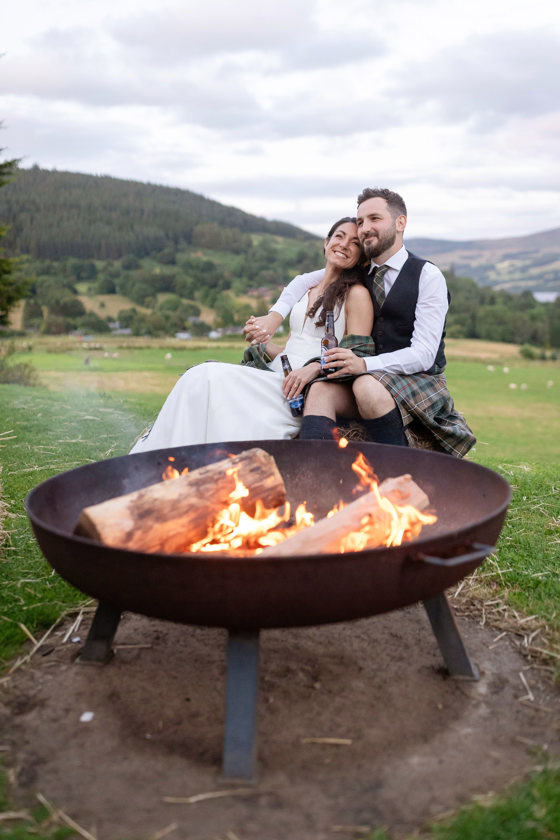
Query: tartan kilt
point(429, 416)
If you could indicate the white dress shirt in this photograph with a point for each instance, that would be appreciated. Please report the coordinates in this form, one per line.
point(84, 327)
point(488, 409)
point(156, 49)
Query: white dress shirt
point(431, 309)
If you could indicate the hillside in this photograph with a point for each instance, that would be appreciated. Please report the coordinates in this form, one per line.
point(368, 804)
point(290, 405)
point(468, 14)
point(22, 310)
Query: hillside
point(517, 264)
point(53, 215)
point(102, 254)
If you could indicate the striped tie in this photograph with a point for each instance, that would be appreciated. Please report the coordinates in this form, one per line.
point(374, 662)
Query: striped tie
point(378, 284)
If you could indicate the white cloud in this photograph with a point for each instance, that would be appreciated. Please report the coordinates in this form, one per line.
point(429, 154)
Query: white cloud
point(287, 109)
point(491, 79)
point(179, 33)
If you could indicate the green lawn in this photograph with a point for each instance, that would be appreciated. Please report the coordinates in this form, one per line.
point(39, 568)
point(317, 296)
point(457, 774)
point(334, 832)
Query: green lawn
point(117, 359)
point(513, 409)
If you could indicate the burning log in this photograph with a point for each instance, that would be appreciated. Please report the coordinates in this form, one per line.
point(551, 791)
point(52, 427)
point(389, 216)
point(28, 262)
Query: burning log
point(171, 515)
point(366, 521)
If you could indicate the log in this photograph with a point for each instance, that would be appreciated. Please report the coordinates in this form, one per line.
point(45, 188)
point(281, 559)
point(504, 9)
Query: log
point(325, 535)
point(171, 515)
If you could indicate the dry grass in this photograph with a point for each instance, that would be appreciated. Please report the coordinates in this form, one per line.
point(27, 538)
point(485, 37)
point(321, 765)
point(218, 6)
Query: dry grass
point(107, 341)
point(476, 597)
point(476, 350)
point(76, 613)
point(111, 305)
point(15, 319)
point(2, 511)
point(59, 818)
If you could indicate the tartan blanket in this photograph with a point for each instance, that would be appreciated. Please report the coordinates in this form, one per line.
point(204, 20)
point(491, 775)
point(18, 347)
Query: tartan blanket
point(256, 356)
point(361, 345)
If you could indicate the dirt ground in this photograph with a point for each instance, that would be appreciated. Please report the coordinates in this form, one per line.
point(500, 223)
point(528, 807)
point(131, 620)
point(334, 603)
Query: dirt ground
point(412, 743)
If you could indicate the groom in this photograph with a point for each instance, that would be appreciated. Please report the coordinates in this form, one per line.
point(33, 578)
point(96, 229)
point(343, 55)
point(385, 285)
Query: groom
point(400, 393)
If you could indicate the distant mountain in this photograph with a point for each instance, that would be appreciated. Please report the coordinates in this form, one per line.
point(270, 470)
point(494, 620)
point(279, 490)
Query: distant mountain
point(516, 263)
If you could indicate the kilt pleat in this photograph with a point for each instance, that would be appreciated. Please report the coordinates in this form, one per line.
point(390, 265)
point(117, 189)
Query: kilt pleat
point(429, 416)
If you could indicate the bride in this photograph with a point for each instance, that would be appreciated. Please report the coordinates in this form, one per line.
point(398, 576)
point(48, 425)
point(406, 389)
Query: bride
point(216, 401)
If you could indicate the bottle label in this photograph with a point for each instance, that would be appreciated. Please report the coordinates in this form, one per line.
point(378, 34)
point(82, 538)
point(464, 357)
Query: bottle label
point(296, 405)
point(324, 348)
point(326, 345)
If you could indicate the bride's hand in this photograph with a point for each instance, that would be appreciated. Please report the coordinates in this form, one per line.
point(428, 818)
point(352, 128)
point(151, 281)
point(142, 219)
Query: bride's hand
point(262, 327)
point(296, 380)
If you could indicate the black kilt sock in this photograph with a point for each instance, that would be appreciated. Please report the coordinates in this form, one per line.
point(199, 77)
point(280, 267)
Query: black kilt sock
point(386, 429)
point(317, 427)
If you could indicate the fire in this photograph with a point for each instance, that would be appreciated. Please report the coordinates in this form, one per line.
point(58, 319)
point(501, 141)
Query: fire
point(405, 522)
point(234, 530)
point(171, 472)
point(364, 472)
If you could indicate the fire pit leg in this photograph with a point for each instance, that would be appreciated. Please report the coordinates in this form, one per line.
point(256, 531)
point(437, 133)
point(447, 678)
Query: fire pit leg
point(98, 649)
point(449, 639)
point(242, 679)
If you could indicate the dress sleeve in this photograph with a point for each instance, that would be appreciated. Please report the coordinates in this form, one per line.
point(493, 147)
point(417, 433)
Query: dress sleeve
point(295, 290)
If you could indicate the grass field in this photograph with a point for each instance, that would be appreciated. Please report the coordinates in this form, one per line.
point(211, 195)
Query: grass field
point(512, 405)
point(85, 412)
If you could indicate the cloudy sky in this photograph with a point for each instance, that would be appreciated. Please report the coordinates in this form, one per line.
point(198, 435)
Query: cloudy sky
point(287, 109)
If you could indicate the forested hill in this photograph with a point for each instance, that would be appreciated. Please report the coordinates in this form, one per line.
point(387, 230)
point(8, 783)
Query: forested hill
point(53, 215)
point(160, 261)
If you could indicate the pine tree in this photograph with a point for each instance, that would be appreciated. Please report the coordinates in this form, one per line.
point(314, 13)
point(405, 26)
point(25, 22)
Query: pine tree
point(12, 288)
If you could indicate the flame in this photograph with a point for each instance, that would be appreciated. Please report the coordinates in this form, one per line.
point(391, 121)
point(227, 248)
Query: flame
point(365, 473)
point(398, 523)
point(171, 472)
point(234, 530)
point(405, 522)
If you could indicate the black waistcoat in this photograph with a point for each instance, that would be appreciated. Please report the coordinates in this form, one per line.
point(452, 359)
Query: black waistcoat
point(393, 324)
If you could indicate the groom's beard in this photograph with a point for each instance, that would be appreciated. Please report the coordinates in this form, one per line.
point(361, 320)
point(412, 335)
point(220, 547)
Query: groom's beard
point(378, 245)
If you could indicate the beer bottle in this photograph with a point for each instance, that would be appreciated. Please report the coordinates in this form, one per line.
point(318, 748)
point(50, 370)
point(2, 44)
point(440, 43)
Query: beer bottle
point(329, 340)
point(296, 404)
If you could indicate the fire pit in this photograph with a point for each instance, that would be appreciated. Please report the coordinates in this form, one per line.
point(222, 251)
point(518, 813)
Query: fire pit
point(247, 594)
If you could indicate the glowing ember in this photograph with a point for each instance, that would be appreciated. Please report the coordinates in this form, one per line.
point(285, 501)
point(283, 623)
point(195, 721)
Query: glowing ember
point(171, 472)
point(234, 530)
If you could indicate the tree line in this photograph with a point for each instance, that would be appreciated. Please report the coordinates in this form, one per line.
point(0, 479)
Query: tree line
point(175, 293)
point(54, 215)
point(172, 253)
point(497, 315)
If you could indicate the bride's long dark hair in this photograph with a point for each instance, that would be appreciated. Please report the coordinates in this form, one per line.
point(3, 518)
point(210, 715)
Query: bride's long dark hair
point(338, 289)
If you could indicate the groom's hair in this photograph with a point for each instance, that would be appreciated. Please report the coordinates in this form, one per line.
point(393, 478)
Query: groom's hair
point(395, 203)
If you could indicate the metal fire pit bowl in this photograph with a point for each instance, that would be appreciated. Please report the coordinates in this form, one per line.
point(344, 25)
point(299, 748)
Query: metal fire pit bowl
point(245, 595)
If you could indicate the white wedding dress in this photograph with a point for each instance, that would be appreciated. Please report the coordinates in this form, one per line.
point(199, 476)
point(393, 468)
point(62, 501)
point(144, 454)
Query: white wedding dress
point(215, 402)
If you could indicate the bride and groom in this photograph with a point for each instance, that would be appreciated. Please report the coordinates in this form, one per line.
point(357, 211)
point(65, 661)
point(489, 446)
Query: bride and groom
point(385, 299)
